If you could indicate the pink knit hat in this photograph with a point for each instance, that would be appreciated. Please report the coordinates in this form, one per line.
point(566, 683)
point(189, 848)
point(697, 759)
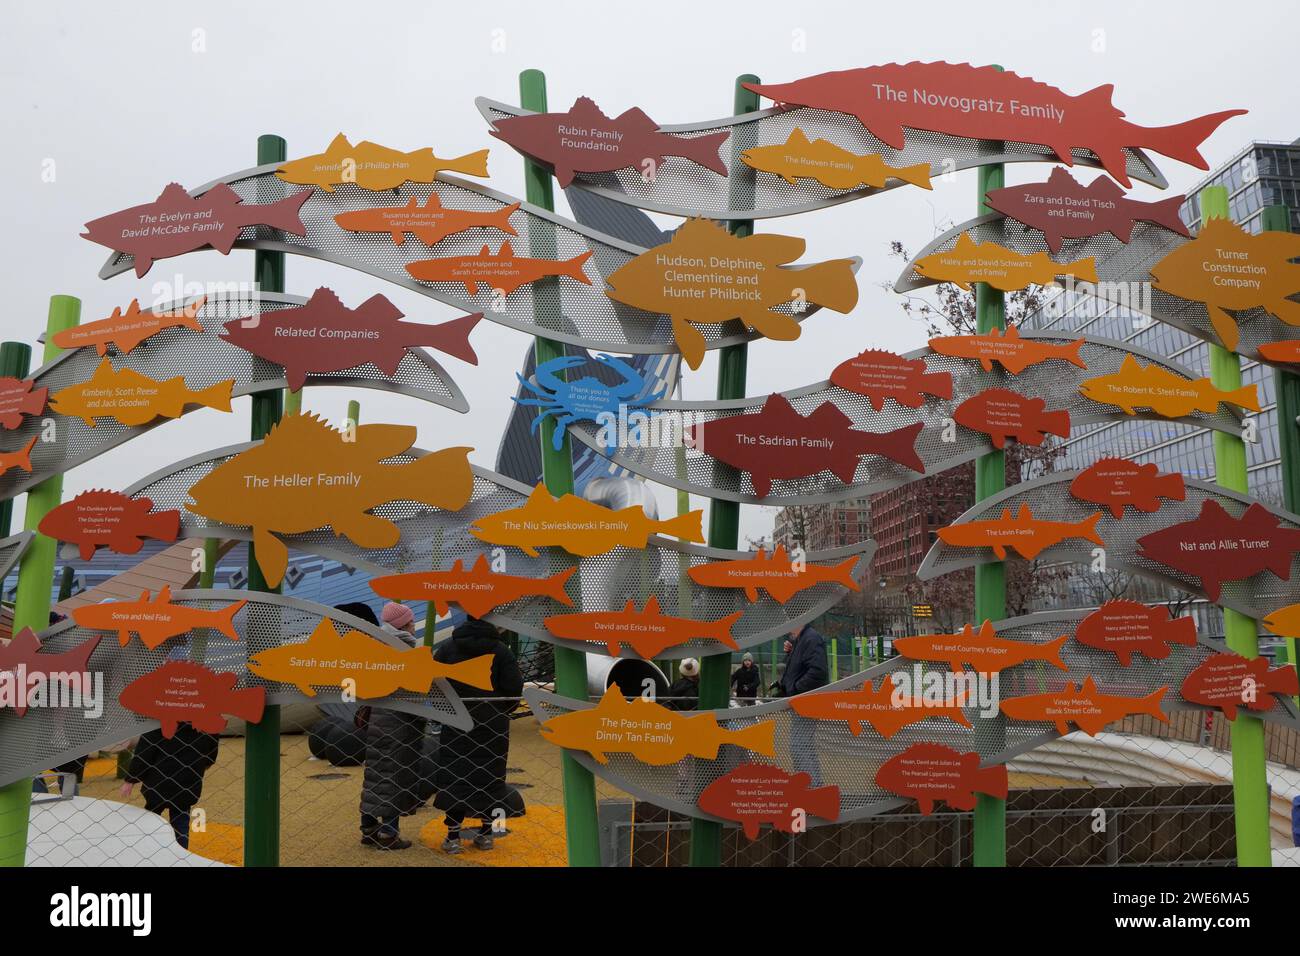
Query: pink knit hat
point(398, 615)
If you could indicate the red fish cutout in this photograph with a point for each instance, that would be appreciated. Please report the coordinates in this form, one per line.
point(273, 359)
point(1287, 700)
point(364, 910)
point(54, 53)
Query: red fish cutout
point(1116, 482)
point(19, 398)
point(24, 652)
point(929, 772)
point(879, 375)
point(109, 519)
point(1229, 681)
point(1001, 414)
point(184, 692)
point(1216, 547)
point(779, 443)
point(758, 793)
point(1125, 628)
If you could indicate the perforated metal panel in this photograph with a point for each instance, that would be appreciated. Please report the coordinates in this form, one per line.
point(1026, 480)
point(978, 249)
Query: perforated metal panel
point(12, 550)
point(1057, 382)
point(559, 308)
point(202, 359)
point(684, 188)
point(1049, 498)
point(433, 539)
point(45, 737)
point(1124, 274)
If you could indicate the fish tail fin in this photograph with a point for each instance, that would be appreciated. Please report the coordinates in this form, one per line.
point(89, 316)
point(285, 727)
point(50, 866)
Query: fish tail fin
point(1225, 326)
point(842, 573)
point(440, 479)
point(1284, 680)
point(1087, 528)
point(823, 802)
point(1286, 311)
point(247, 703)
point(24, 459)
point(1171, 486)
point(163, 525)
point(1182, 141)
point(452, 338)
point(284, 215)
point(720, 630)
point(501, 218)
point(1058, 423)
point(216, 396)
point(471, 164)
point(553, 587)
point(1082, 269)
point(1073, 353)
point(79, 656)
point(1151, 703)
point(992, 781)
point(1165, 213)
point(573, 267)
point(938, 384)
point(830, 284)
point(1182, 630)
point(476, 672)
point(917, 175)
point(225, 620)
point(1052, 652)
point(760, 738)
point(1247, 397)
point(704, 150)
point(689, 526)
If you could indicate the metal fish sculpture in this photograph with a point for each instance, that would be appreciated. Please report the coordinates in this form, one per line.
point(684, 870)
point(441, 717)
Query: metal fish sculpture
point(1116, 482)
point(832, 166)
point(109, 519)
point(326, 336)
point(928, 773)
point(19, 398)
point(1216, 547)
point(1084, 706)
point(706, 276)
point(879, 375)
point(649, 632)
point(1230, 681)
point(375, 167)
point(758, 793)
point(184, 692)
point(375, 669)
point(501, 270)
point(21, 659)
point(982, 102)
point(650, 732)
point(1287, 351)
point(585, 140)
point(155, 620)
point(867, 705)
point(776, 574)
point(1229, 270)
point(777, 442)
point(176, 223)
point(478, 590)
point(306, 475)
point(1001, 414)
point(969, 262)
point(126, 330)
point(1062, 208)
point(1026, 535)
point(20, 458)
point(430, 223)
point(984, 652)
point(1285, 621)
point(1008, 349)
point(1125, 628)
point(130, 398)
point(1135, 386)
point(579, 526)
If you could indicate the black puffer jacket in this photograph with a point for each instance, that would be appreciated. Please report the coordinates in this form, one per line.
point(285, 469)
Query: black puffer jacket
point(394, 741)
point(472, 764)
point(171, 771)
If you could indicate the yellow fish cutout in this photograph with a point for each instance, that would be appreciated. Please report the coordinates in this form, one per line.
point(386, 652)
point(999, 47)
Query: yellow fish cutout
point(306, 475)
point(1135, 386)
point(132, 399)
point(706, 276)
point(970, 261)
point(375, 167)
point(834, 167)
point(329, 658)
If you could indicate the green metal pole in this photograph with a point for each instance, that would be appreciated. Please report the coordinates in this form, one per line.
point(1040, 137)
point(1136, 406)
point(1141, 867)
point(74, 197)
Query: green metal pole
point(990, 830)
point(582, 832)
point(724, 516)
point(1249, 773)
point(262, 739)
point(15, 360)
point(32, 602)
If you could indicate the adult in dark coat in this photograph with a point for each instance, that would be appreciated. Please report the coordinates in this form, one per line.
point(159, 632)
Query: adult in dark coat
point(684, 693)
point(745, 679)
point(472, 763)
point(170, 773)
point(805, 669)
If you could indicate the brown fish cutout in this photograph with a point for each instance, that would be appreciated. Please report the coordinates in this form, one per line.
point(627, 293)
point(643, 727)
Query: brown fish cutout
point(109, 519)
point(1116, 482)
point(879, 375)
point(22, 658)
point(1008, 349)
point(1002, 414)
point(184, 692)
point(758, 793)
point(430, 223)
point(969, 262)
point(705, 275)
point(1229, 270)
point(585, 140)
point(500, 270)
point(1126, 628)
point(929, 772)
point(1229, 681)
point(19, 398)
point(131, 399)
point(126, 330)
point(1172, 396)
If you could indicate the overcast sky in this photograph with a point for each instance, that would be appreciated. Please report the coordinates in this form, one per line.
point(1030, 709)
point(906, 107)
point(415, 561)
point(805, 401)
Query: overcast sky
point(122, 98)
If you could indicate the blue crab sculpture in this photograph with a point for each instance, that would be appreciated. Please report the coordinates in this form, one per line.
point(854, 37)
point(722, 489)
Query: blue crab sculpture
point(583, 399)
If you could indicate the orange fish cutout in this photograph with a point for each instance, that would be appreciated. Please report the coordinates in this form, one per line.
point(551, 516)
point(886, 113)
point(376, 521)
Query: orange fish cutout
point(430, 223)
point(649, 632)
point(1008, 349)
point(1229, 270)
point(776, 574)
point(20, 458)
point(129, 329)
point(868, 705)
point(1286, 351)
point(969, 262)
point(1026, 535)
point(501, 270)
point(651, 732)
point(985, 652)
point(1136, 386)
point(834, 167)
point(478, 590)
point(131, 399)
point(579, 526)
point(155, 620)
point(1084, 706)
point(368, 666)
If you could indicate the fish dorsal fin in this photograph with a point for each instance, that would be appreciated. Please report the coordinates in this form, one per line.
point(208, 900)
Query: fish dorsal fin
point(1105, 186)
point(636, 118)
point(132, 310)
point(1061, 179)
point(652, 607)
point(1006, 514)
point(965, 242)
point(778, 404)
point(1024, 514)
point(506, 251)
point(1012, 333)
point(144, 596)
point(338, 144)
point(612, 694)
point(23, 645)
point(304, 423)
point(324, 296)
point(798, 136)
point(165, 595)
point(1211, 509)
point(986, 631)
point(629, 607)
point(586, 106)
point(433, 202)
point(1089, 686)
point(480, 564)
point(174, 192)
point(104, 371)
point(1100, 96)
point(774, 248)
point(414, 202)
point(779, 554)
point(384, 441)
point(1130, 365)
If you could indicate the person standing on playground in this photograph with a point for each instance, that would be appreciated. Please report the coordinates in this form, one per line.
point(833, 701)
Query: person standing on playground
point(170, 773)
point(745, 680)
point(684, 694)
point(805, 669)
